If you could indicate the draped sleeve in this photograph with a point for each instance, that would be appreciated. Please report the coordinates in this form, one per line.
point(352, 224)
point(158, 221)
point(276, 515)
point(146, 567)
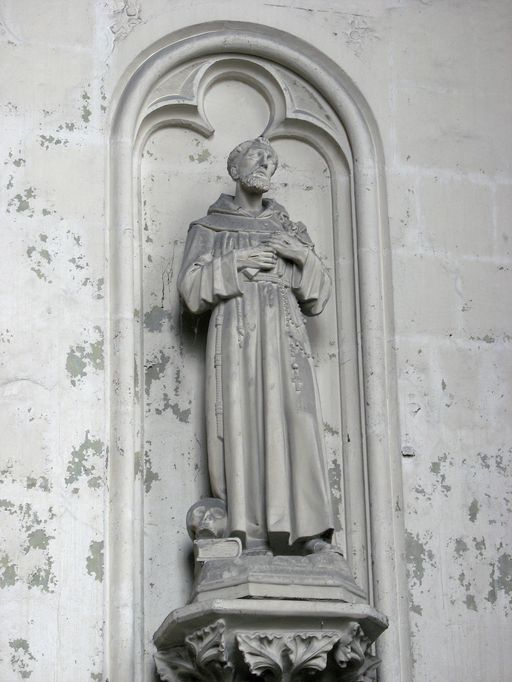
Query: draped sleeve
point(206, 276)
point(311, 284)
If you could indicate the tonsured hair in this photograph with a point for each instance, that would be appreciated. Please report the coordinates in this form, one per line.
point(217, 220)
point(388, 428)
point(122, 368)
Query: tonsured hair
point(244, 146)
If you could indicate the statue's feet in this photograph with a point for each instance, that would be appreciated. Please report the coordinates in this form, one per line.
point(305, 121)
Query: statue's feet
point(257, 551)
point(257, 548)
point(317, 545)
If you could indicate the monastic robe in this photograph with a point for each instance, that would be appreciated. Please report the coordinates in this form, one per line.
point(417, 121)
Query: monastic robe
point(266, 452)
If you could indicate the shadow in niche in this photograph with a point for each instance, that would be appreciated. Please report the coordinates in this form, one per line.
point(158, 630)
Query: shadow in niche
point(193, 328)
point(153, 675)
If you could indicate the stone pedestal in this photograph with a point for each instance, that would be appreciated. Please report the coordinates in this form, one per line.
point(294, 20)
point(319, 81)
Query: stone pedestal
point(325, 575)
point(237, 640)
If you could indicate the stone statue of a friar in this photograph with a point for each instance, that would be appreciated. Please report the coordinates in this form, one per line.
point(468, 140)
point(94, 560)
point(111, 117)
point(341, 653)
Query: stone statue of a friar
point(259, 274)
point(272, 596)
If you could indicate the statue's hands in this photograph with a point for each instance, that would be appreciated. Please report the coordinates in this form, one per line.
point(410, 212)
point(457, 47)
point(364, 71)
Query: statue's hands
point(289, 247)
point(262, 257)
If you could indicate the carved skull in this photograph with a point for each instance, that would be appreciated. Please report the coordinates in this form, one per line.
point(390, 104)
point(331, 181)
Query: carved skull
point(207, 518)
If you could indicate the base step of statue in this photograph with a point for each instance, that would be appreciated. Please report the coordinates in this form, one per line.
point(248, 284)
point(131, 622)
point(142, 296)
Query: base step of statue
point(325, 575)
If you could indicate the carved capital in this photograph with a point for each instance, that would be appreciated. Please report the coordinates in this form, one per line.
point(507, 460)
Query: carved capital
point(251, 640)
point(283, 657)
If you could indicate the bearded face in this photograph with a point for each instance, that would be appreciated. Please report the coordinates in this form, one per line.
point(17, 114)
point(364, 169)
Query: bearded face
point(255, 182)
point(255, 167)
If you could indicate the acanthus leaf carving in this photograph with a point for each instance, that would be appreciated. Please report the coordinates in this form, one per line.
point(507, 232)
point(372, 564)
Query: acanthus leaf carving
point(208, 644)
point(286, 657)
point(176, 665)
point(263, 653)
point(203, 659)
point(308, 650)
point(208, 655)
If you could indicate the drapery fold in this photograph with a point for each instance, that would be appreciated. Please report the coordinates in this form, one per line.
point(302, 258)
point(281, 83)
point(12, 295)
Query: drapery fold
point(266, 451)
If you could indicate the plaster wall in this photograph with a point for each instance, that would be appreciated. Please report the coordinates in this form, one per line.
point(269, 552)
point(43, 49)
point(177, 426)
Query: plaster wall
point(436, 76)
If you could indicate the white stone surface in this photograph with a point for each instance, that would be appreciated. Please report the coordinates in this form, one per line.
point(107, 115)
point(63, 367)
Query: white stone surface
point(437, 78)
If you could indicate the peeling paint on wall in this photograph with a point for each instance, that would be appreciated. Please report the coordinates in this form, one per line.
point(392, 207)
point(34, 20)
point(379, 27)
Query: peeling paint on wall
point(95, 560)
point(474, 508)
point(21, 657)
point(21, 202)
point(155, 370)
point(31, 562)
point(87, 462)
point(8, 574)
point(200, 157)
point(417, 556)
point(85, 357)
point(501, 579)
point(182, 414)
point(150, 476)
point(42, 483)
point(86, 112)
point(155, 318)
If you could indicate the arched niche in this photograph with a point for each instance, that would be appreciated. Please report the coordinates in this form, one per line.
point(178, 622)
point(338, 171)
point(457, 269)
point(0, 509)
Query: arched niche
point(183, 105)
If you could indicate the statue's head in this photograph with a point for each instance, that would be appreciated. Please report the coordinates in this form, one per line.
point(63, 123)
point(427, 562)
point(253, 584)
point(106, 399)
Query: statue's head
point(207, 519)
point(252, 163)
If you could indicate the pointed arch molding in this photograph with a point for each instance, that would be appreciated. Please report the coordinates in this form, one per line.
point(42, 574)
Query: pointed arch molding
point(124, 548)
